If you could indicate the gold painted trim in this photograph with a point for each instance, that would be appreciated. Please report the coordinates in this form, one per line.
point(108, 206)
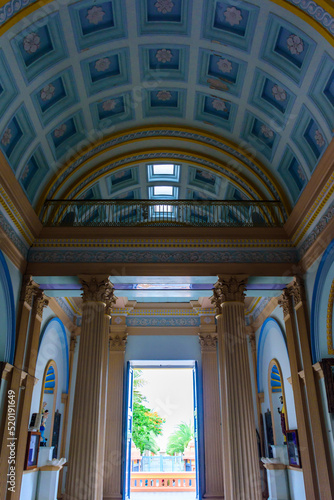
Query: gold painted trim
point(163, 244)
point(330, 320)
point(100, 166)
point(204, 134)
point(15, 216)
point(314, 211)
point(253, 306)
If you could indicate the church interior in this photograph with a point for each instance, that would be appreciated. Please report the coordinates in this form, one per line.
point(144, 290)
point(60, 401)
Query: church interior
point(166, 188)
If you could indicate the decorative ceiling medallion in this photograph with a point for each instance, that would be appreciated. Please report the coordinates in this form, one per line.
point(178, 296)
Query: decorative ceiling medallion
point(109, 105)
point(233, 16)
point(319, 139)
point(164, 6)
point(60, 131)
point(31, 43)
point(164, 95)
point(219, 104)
point(278, 93)
point(95, 15)
point(267, 132)
point(7, 137)
point(164, 55)
point(102, 64)
point(47, 92)
point(295, 44)
point(224, 65)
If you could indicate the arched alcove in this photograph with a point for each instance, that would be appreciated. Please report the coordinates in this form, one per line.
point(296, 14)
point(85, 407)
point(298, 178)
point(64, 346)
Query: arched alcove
point(7, 313)
point(322, 307)
point(49, 397)
point(276, 391)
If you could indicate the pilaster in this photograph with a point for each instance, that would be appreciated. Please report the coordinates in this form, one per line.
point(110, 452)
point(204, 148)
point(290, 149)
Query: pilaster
point(112, 484)
point(305, 440)
point(322, 456)
point(213, 452)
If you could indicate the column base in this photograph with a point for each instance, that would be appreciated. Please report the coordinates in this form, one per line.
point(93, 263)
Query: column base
point(113, 497)
point(214, 496)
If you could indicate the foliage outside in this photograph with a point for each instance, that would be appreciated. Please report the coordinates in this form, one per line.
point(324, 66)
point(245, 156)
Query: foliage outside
point(179, 440)
point(146, 423)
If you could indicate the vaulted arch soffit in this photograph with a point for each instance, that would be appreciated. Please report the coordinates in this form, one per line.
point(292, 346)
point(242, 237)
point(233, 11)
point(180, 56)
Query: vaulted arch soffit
point(238, 95)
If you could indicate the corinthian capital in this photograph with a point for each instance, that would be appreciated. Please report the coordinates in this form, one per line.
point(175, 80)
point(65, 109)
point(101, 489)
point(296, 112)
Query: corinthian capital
point(41, 301)
point(98, 289)
point(298, 290)
point(118, 342)
point(208, 342)
point(285, 302)
point(28, 290)
point(229, 289)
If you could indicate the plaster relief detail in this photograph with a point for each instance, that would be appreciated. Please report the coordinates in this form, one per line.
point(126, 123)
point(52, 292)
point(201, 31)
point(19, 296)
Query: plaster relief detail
point(98, 290)
point(208, 342)
point(229, 289)
point(118, 342)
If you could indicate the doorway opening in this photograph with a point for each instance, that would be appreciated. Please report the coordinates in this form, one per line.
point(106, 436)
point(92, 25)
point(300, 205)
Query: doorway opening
point(162, 431)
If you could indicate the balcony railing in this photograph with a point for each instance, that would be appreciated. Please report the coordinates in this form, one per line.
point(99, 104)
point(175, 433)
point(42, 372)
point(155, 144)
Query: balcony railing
point(163, 481)
point(207, 213)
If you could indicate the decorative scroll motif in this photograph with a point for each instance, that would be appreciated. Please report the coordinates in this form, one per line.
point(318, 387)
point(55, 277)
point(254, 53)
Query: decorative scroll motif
point(162, 321)
point(208, 342)
point(298, 291)
point(330, 320)
point(98, 291)
point(118, 342)
point(229, 289)
point(41, 302)
point(28, 290)
point(286, 303)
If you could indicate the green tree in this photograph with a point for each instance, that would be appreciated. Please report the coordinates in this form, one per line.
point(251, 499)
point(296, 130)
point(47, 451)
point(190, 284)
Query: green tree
point(147, 424)
point(179, 440)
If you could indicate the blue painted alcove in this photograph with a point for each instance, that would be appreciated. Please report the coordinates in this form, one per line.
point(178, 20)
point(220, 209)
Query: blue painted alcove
point(321, 291)
point(7, 313)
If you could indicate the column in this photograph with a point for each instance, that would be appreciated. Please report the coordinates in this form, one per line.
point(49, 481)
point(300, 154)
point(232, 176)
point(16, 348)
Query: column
point(305, 440)
point(240, 454)
point(112, 485)
point(213, 453)
point(83, 481)
point(322, 457)
point(28, 382)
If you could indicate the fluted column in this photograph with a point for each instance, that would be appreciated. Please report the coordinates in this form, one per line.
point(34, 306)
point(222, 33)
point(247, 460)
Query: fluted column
point(240, 454)
point(84, 475)
point(112, 484)
point(214, 482)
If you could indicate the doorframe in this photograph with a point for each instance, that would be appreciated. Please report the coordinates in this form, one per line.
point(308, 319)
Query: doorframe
point(142, 364)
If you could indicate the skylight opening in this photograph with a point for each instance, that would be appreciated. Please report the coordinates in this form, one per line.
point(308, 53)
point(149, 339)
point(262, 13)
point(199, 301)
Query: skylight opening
point(163, 169)
point(163, 191)
point(163, 208)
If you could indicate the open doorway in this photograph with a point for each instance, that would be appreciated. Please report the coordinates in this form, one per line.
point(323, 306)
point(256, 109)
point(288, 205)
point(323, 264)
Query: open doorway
point(162, 432)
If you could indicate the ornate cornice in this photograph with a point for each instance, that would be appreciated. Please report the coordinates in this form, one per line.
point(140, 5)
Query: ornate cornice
point(118, 342)
point(28, 289)
point(229, 289)
point(41, 301)
point(98, 289)
point(285, 302)
point(208, 342)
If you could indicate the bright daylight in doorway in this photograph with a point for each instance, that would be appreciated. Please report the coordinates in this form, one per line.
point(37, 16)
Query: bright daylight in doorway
point(163, 441)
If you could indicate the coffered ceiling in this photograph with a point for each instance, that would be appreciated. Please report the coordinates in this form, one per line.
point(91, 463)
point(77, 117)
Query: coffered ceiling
point(238, 96)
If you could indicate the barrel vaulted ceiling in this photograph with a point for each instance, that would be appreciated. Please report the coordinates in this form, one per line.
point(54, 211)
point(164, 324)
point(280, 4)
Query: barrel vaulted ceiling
point(238, 96)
